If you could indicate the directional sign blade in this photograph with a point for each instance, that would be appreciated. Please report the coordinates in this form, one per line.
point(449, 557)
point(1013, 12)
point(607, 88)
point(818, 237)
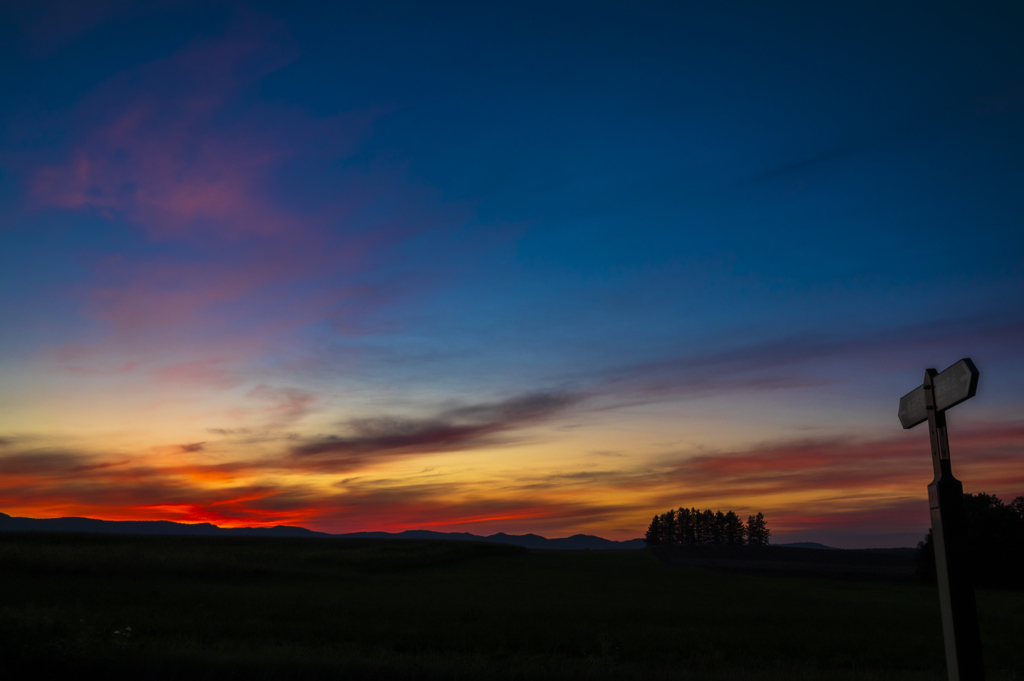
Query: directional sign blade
point(912, 411)
point(954, 385)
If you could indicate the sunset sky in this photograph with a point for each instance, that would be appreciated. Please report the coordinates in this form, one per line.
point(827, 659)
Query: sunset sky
point(521, 267)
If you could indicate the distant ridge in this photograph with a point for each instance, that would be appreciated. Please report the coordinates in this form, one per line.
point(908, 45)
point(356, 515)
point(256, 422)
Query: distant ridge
point(530, 541)
point(14, 524)
point(167, 527)
point(808, 545)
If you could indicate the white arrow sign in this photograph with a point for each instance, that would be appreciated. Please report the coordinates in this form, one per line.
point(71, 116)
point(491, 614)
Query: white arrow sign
point(954, 385)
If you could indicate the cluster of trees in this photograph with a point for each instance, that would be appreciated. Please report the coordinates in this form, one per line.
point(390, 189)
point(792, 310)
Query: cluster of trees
point(995, 542)
point(690, 527)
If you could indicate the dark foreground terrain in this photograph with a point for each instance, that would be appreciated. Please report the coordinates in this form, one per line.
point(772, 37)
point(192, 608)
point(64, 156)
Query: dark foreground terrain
point(884, 565)
point(204, 608)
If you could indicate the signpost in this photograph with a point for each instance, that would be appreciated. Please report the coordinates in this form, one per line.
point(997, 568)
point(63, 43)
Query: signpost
point(929, 402)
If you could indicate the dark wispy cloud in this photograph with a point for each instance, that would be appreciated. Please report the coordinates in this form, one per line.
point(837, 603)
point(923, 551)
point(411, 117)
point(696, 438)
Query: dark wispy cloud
point(41, 462)
point(795, 361)
point(455, 429)
point(429, 503)
point(851, 147)
point(975, 104)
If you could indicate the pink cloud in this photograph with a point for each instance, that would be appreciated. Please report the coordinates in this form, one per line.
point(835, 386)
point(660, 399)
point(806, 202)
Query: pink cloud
point(204, 372)
point(166, 148)
point(284, 405)
point(177, 150)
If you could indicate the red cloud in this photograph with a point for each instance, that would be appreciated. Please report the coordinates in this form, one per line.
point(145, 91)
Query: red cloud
point(824, 486)
point(983, 453)
point(845, 483)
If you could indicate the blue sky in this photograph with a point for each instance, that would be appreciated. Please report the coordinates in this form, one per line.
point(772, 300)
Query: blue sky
point(515, 247)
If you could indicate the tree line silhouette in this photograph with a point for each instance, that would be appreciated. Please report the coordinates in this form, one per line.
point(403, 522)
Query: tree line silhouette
point(995, 542)
point(691, 527)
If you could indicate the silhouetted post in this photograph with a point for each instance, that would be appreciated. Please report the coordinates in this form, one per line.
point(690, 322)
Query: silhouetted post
point(946, 502)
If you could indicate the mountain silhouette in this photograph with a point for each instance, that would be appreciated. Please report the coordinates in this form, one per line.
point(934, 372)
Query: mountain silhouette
point(167, 527)
point(808, 545)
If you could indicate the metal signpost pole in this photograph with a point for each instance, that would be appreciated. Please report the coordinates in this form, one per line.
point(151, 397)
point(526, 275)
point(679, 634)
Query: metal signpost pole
point(956, 593)
point(929, 402)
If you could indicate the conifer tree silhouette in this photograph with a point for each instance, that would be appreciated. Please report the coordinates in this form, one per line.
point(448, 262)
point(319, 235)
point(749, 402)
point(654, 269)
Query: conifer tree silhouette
point(995, 542)
point(690, 527)
point(733, 529)
point(684, 527)
point(653, 535)
point(708, 517)
point(718, 531)
point(668, 527)
point(757, 530)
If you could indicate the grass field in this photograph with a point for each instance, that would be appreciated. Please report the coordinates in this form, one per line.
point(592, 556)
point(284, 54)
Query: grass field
point(202, 608)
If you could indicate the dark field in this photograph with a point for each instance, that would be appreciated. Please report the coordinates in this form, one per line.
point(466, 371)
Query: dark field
point(886, 565)
point(312, 608)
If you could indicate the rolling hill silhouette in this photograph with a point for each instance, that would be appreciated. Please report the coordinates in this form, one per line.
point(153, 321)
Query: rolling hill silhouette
point(167, 527)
